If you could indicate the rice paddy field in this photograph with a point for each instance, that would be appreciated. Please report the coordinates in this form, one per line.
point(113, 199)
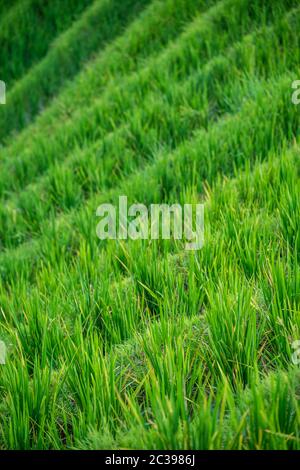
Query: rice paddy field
point(142, 344)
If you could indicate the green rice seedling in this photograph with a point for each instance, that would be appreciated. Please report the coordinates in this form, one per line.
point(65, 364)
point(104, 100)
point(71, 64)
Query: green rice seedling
point(37, 157)
point(203, 156)
point(159, 394)
point(29, 412)
point(234, 341)
point(44, 79)
point(125, 344)
point(226, 422)
point(145, 35)
point(272, 412)
point(93, 296)
point(281, 295)
point(66, 191)
point(32, 24)
point(4, 8)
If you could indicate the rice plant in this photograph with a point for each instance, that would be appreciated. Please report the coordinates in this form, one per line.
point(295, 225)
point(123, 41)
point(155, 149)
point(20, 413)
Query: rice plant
point(141, 343)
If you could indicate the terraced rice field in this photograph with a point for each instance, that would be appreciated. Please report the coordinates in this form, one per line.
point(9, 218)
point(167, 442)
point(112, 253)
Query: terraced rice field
point(142, 344)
